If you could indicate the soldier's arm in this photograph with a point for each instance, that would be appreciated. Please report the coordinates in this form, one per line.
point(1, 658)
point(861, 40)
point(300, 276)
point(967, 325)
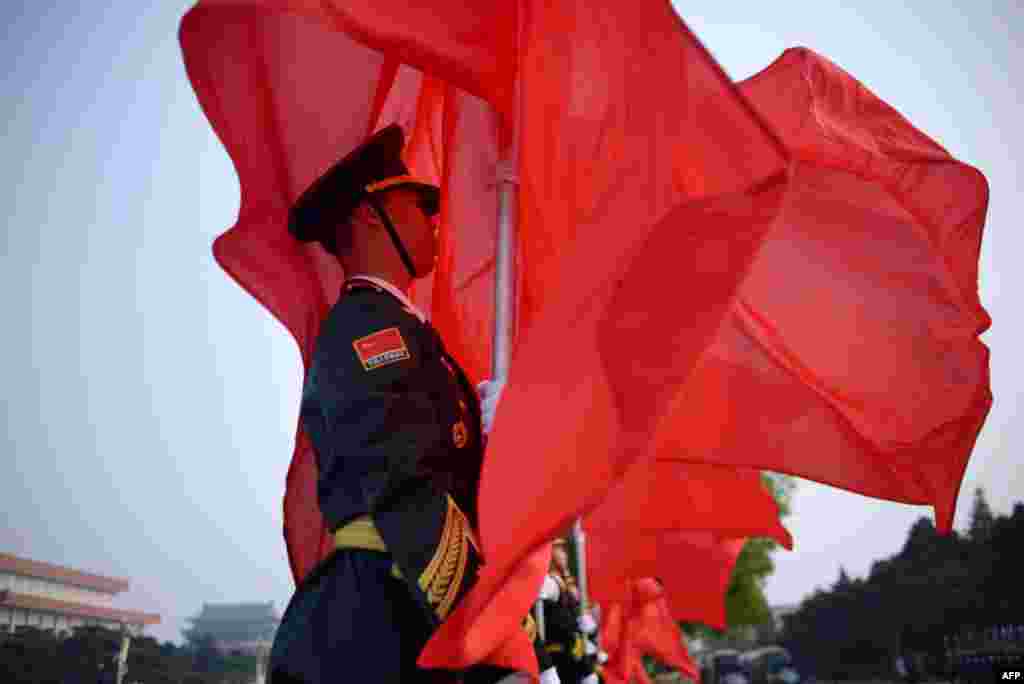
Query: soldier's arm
point(369, 413)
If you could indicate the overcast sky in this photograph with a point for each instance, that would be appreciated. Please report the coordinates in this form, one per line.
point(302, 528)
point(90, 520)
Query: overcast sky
point(149, 404)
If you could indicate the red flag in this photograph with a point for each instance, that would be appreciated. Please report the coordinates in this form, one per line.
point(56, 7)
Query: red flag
point(694, 567)
point(630, 533)
point(623, 662)
point(670, 495)
point(658, 634)
point(697, 569)
point(611, 626)
point(617, 640)
point(851, 355)
point(883, 228)
point(640, 674)
point(643, 624)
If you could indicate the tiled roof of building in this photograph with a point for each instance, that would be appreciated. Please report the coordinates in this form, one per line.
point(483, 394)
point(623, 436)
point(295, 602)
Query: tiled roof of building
point(61, 574)
point(12, 600)
point(237, 612)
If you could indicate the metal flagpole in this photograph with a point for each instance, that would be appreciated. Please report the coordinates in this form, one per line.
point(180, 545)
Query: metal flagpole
point(122, 654)
point(504, 290)
point(581, 562)
point(504, 265)
point(504, 276)
point(504, 293)
point(504, 308)
point(581, 567)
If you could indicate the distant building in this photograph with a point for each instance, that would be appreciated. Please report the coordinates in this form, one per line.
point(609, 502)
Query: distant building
point(59, 598)
point(746, 637)
point(779, 612)
point(770, 632)
point(237, 627)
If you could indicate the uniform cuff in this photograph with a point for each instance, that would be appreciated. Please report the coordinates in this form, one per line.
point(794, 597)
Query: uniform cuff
point(550, 676)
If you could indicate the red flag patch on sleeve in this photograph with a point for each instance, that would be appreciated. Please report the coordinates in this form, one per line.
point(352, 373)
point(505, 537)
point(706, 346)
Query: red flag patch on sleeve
point(380, 349)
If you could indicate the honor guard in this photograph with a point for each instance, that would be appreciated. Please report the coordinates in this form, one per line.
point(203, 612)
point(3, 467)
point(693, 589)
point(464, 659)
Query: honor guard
point(565, 637)
point(396, 429)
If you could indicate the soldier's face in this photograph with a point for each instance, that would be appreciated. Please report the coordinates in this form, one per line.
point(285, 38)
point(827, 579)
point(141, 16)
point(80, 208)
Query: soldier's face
point(561, 557)
point(418, 231)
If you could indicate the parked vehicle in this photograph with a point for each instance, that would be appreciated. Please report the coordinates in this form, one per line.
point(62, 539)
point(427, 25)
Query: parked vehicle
point(770, 665)
point(723, 667)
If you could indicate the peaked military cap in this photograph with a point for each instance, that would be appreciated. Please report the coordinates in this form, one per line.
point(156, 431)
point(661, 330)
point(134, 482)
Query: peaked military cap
point(374, 166)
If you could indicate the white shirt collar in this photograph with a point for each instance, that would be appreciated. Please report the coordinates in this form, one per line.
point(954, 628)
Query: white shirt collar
point(395, 292)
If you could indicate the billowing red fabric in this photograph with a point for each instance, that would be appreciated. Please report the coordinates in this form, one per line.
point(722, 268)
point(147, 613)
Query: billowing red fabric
point(694, 567)
point(625, 658)
point(658, 634)
point(851, 355)
point(618, 642)
point(640, 675)
point(799, 373)
point(610, 676)
point(616, 639)
point(662, 495)
point(611, 626)
point(696, 571)
point(643, 624)
point(632, 533)
point(624, 533)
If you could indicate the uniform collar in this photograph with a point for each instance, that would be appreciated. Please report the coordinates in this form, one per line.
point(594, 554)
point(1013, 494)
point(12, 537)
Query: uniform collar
point(395, 292)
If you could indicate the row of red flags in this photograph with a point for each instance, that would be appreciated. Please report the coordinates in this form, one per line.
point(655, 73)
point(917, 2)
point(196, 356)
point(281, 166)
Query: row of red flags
point(713, 278)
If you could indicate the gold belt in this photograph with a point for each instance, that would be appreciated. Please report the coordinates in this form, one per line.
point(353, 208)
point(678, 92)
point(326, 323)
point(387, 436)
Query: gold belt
point(577, 651)
point(444, 575)
point(361, 533)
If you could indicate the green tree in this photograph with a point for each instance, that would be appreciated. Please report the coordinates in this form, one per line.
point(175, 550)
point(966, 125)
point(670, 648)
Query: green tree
point(239, 668)
point(745, 602)
point(913, 601)
point(152, 663)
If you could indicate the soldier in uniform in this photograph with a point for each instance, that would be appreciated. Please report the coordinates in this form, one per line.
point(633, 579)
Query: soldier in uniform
point(545, 666)
point(587, 625)
point(397, 431)
point(566, 626)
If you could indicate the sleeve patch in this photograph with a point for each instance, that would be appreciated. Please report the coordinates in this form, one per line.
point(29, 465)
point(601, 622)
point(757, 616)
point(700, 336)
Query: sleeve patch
point(380, 349)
